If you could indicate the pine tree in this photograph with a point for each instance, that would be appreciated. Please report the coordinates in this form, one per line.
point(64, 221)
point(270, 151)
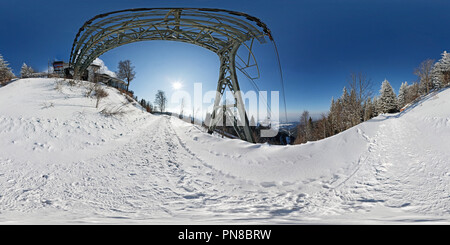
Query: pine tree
point(346, 110)
point(310, 130)
point(354, 109)
point(402, 95)
point(436, 76)
point(445, 68)
point(388, 99)
point(338, 116)
point(441, 71)
point(376, 106)
point(5, 72)
point(26, 71)
point(143, 103)
point(332, 116)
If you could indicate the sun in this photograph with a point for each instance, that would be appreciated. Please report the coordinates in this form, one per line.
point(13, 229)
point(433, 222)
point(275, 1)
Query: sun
point(177, 85)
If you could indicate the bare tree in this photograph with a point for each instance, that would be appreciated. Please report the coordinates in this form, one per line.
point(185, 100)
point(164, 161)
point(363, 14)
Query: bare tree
point(424, 74)
point(161, 100)
point(100, 93)
point(361, 89)
point(126, 71)
point(362, 85)
point(303, 128)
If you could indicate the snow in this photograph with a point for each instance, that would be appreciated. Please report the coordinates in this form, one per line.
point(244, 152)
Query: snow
point(64, 162)
point(103, 68)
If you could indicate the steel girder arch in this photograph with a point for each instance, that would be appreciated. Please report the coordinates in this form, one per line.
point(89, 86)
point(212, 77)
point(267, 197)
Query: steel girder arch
point(220, 31)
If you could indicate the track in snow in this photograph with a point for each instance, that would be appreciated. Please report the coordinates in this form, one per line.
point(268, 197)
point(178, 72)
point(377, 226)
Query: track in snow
point(153, 176)
point(84, 167)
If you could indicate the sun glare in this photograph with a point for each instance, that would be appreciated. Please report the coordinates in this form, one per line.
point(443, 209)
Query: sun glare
point(177, 85)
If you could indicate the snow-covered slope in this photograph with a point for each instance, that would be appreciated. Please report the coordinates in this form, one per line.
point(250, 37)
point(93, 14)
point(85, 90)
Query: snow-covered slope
point(62, 161)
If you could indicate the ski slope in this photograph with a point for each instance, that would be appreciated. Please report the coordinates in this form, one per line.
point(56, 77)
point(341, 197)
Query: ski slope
point(64, 162)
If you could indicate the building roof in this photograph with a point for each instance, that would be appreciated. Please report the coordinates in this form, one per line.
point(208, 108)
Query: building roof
point(108, 77)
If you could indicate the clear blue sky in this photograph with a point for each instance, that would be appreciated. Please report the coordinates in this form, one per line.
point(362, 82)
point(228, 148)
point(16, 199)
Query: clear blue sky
point(320, 42)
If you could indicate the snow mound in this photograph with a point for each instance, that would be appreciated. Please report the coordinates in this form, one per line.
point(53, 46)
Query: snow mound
point(63, 160)
point(48, 115)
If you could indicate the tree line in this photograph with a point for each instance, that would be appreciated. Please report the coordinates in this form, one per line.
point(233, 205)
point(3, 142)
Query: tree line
point(160, 102)
point(358, 103)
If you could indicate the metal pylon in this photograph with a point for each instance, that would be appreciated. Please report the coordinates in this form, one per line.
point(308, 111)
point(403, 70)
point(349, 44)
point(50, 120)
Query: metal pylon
point(228, 78)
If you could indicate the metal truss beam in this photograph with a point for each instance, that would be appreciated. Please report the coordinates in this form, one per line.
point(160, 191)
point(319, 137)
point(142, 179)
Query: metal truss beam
point(228, 79)
point(220, 31)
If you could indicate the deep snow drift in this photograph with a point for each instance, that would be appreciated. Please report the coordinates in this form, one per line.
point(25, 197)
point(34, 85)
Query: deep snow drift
point(63, 161)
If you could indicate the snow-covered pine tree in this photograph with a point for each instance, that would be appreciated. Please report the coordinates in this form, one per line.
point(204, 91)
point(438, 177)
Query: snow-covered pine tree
point(26, 71)
point(376, 106)
point(346, 109)
point(388, 99)
point(445, 68)
point(437, 76)
point(5, 72)
point(310, 130)
point(441, 71)
point(332, 116)
point(402, 95)
point(355, 109)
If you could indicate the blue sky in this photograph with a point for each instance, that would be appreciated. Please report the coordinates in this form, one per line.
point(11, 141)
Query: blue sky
point(320, 43)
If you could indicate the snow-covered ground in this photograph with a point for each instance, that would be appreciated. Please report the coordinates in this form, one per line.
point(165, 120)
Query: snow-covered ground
point(62, 161)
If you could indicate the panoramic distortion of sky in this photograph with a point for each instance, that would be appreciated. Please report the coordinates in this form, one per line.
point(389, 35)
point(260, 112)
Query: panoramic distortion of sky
point(320, 43)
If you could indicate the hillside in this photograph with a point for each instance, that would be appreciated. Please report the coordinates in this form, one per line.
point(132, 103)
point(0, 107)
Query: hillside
point(63, 161)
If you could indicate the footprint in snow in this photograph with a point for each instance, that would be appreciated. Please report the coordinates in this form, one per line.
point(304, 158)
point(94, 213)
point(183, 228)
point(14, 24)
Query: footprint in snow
point(268, 184)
